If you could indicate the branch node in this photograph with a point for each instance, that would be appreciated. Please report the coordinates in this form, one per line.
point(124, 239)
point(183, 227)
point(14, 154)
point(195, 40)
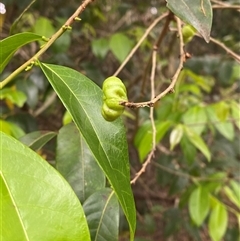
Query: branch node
point(66, 27)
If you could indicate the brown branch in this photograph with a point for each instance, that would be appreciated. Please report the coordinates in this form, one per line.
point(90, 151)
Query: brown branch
point(154, 132)
point(229, 51)
point(170, 88)
point(182, 58)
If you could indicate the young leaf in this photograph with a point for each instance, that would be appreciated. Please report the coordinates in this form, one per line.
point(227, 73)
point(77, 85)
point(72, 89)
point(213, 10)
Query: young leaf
point(76, 163)
point(196, 13)
point(231, 195)
point(102, 213)
point(198, 142)
point(176, 136)
point(33, 192)
point(107, 140)
point(236, 188)
point(196, 119)
point(12, 43)
point(199, 205)
point(218, 221)
point(11, 129)
point(14, 96)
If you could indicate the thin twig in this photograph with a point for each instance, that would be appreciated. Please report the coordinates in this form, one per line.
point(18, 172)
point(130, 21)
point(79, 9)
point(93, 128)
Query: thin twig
point(236, 7)
point(228, 50)
point(151, 116)
point(32, 60)
point(182, 58)
point(170, 88)
point(149, 29)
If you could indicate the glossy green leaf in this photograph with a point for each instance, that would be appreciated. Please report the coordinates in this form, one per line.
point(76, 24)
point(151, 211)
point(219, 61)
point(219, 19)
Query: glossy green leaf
point(196, 13)
point(102, 213)
point(120, 45)
point(199, 205)
point(107, 140)
point(224, 127)
point(231, 195)
point(37, 139)
point(176, 136)
point(76, 163)
point(100, 47)
point(14, 96)
point(198, 142)
point(144, 137)
point(196, 119)
point(12, 43)
point(37, 203)
point(218, 221)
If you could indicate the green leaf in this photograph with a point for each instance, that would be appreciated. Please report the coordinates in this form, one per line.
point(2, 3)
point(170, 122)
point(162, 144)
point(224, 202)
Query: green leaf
point(37, 139)
point(218, 221)
point(14, 96)
point(204, 82)
point(11, 129)
point(100, 47)
point(225, 128)
point(120, 45)
point(176, 136)
point(198, 142)
point(235, 111)
point(188, 149)
point(76, 163)
point(236, 188)
point(107, 140)
point(102, 213)
point(143, 138)
point(196, 119)
point(37, 203)
point(11, 44)
point(215, 181)
point(231, 195)
point(31, 90)
point(44, 27)
point(196, 13)
point(199, 205)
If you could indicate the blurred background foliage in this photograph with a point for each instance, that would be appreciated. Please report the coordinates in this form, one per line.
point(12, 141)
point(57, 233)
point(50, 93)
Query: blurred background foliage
point(206, 101)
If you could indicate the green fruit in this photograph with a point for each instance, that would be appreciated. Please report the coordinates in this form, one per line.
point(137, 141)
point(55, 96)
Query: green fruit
point(114, 92)
point(188, 33)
